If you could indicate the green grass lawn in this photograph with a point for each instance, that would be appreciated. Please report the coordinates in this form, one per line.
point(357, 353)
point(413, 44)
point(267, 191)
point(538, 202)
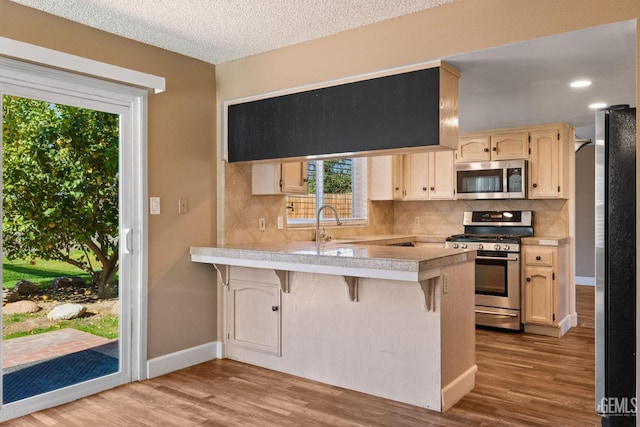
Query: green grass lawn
point(39, 272)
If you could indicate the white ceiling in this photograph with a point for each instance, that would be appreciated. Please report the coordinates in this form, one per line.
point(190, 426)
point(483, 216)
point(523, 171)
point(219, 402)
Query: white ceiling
point(519, 84)
point(218, 31)
point(528, 83)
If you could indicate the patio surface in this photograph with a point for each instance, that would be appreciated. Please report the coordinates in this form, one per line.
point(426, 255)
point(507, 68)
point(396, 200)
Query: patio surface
point(18, 351)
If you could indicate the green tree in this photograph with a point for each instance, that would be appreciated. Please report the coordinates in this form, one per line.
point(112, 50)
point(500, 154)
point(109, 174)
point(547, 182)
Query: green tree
point(336, 176)
point(60, 189)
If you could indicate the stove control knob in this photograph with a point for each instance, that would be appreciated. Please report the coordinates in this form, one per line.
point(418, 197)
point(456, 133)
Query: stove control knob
point(454, 246)
point(463, 246)
point(496, 247)
point(506, 247)
point(480, 246)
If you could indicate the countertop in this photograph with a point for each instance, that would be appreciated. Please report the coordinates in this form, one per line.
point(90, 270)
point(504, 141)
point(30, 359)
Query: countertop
point(338, 258)
point(545, 241)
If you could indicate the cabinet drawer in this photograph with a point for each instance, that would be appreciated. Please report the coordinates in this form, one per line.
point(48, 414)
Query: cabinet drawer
point(539, 256)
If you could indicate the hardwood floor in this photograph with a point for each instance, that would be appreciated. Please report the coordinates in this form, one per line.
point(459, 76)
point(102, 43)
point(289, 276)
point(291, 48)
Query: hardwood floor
point(522, 380)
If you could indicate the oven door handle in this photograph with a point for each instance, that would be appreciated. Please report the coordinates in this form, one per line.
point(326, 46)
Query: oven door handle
point(497, 257)
point(493, 313)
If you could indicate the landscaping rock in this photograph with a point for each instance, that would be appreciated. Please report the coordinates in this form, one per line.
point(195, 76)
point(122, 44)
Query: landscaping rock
point(67, 312)
point(25, 287)
point(21, 307)
point(67, 281)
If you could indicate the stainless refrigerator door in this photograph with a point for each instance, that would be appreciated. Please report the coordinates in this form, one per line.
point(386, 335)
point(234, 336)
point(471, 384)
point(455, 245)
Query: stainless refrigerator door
point(599, 255)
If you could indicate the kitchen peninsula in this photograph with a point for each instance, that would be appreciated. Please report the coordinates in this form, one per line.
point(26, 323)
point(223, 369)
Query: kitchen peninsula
point(396, 322)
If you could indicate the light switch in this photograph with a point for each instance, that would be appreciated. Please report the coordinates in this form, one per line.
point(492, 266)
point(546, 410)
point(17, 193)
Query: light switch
point(280, 223)
point(261, 224)
point(154, 205)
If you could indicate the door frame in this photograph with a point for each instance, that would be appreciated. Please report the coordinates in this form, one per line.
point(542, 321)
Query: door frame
point(33, 81)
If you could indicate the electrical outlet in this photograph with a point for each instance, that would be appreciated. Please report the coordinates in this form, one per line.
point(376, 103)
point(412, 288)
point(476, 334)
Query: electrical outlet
point(416, 220)
point(280, 223)
point(183, 206)
point(261, 224)
point(445, 283)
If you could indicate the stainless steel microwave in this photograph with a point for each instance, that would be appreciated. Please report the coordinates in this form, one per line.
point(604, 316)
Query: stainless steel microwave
point(504, 179)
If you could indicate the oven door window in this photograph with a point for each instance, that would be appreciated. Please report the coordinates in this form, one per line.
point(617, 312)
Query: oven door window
point(491, 277)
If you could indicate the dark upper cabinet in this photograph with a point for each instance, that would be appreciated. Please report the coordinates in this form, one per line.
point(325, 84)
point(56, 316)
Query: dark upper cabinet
point(417, 108)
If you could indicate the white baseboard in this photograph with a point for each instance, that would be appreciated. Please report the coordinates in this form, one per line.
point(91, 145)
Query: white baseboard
point(459, 387)
point(586, 281)
point(183, 359)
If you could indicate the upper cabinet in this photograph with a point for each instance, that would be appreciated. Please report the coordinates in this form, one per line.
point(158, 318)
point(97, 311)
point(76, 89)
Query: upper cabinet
point(416, 176)
point(279, 178)
point(485, 146)
point(546, 147)
point(409, 110)
point(549, 163)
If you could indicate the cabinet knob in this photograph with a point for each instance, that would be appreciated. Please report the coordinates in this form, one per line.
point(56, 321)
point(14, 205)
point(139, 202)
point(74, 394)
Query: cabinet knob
point(534, 185)
point(495, 148)
point(433, 188)
point(424, 188)
point(486, 150)
point(528, 279)
point(274, 308)
point(538, 258)
point(397, 188)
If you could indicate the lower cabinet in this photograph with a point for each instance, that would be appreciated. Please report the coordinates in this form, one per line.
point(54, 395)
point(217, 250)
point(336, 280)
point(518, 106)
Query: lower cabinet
point(545, 289)
point(254, 315)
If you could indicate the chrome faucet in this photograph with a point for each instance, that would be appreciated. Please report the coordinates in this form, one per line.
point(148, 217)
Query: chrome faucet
point(338, 222)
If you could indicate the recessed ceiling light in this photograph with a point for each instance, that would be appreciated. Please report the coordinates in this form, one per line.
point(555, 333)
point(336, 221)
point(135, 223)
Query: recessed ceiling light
point(580, 83)
point(597, 105)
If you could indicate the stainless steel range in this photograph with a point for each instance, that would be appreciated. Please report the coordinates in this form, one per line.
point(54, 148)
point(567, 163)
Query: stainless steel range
point(496, 236)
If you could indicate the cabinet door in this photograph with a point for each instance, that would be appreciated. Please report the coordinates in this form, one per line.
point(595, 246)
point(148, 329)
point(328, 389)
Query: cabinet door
point(294, 178)
point(441, 175)
point(539, 295)
point(416, 176)
point(509, 146)
point(397, 176)
point(544, 165)
point(473, 149)
point(254, 316)
point(380, 171)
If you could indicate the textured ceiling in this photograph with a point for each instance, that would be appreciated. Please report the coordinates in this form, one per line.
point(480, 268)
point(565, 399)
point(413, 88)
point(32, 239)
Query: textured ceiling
point(218, 31)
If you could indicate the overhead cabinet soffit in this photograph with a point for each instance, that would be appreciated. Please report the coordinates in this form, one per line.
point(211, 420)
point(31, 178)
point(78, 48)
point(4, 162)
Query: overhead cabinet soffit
point(407, 109)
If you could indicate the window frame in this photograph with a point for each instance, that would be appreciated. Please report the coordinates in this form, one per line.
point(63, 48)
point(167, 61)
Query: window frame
point(359, 181)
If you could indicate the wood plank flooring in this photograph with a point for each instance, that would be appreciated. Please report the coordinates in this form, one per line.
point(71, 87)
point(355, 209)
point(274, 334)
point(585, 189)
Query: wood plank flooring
point(524, 380)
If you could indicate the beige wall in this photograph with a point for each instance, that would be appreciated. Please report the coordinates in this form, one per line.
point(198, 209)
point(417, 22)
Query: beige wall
point(585, 217)
point(462, 26)
point(182, 299)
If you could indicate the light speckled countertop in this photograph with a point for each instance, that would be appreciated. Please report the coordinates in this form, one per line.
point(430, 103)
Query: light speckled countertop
point(545, 241)
point(353, 259)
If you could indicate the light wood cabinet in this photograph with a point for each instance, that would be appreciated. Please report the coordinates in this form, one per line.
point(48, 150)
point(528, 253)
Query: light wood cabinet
point(279, 178)
point(488, 147)
point(509, 146)
point(416, 176)
point(545, 290)
point(474, 149)
point(548, 166)
point(253, 315)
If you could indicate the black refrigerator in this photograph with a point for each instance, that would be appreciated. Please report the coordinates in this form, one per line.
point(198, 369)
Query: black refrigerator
point(615, 269)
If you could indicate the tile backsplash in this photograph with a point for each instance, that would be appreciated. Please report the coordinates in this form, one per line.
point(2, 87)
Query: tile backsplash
point(242, 210)
point(435, 218)
point(443, 218)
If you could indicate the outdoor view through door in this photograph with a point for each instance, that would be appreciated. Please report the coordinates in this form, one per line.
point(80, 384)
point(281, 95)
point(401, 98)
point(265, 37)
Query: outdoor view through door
point(60, 239)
